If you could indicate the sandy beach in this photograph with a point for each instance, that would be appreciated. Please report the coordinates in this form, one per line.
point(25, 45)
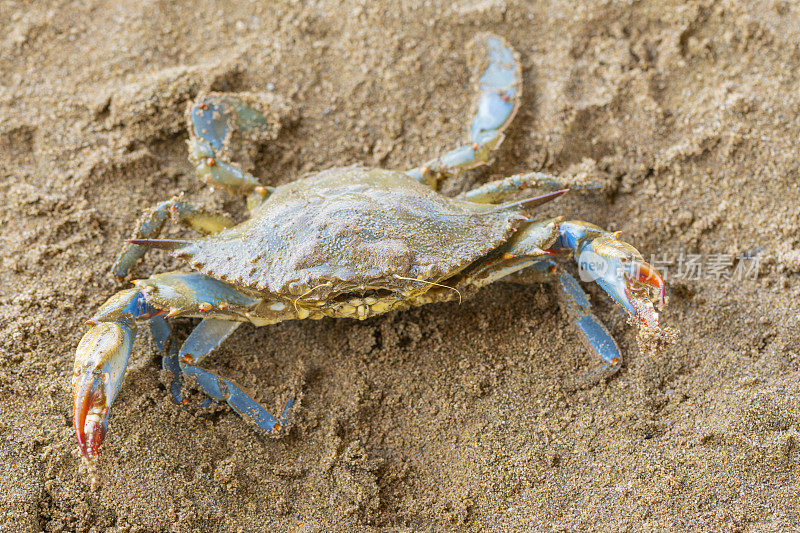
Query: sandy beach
point(446, 417)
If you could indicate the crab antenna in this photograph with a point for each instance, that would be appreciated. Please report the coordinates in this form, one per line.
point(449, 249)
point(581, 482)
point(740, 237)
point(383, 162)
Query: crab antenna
point(164, 244)
point(528, 203)
point(432, 283)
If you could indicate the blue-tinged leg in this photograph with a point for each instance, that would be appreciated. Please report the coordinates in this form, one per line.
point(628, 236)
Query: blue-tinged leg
point(592, 331)
point(216, 117)
point(217, 121)
point(499, 86)
point(160, 331)
point(170, 362)
point(102, 354)
point(500, 190)
point(175, 360)
point(207, 336)
point(191, 294)
point(153, 222)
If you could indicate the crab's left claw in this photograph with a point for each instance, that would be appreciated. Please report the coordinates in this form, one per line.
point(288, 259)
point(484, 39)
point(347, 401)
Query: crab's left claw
point(643, 287)
point(100, 363)
point(618, 268)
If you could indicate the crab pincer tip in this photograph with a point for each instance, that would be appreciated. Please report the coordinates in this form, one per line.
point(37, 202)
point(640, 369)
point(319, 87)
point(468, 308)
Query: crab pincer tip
point(649, 276)
point(90, 416)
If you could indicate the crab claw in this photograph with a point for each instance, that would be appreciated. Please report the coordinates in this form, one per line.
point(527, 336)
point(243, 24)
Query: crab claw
point(648, 276)
point(621, 271)
point(100, 362)
point(640, 287)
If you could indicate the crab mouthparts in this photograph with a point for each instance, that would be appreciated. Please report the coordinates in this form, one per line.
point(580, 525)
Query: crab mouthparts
point(90, 416)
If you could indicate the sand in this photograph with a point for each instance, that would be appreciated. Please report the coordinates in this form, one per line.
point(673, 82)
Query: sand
point(443, 418)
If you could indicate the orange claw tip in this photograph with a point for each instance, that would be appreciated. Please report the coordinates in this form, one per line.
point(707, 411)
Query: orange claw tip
point(649, 276)
point(90, 416)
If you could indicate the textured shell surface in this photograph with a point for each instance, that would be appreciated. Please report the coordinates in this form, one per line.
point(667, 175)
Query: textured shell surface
point(349, 229)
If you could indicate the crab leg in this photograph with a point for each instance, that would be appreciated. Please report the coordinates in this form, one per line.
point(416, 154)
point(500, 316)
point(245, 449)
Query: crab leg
point(497, 191)
point(219, 173)
point(223, 389)
point(203, 339)
point(215, 119)
point(528, 246)
point(185, 213)
point(593, 332)
point(499, 81)
point(206, 339)
point(616, 266)
point(102, 355)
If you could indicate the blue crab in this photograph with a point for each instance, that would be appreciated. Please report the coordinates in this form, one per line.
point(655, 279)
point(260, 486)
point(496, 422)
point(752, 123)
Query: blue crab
point(348, 242)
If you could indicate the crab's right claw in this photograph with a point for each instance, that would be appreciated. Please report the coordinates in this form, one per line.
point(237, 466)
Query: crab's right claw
point(100, 363)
